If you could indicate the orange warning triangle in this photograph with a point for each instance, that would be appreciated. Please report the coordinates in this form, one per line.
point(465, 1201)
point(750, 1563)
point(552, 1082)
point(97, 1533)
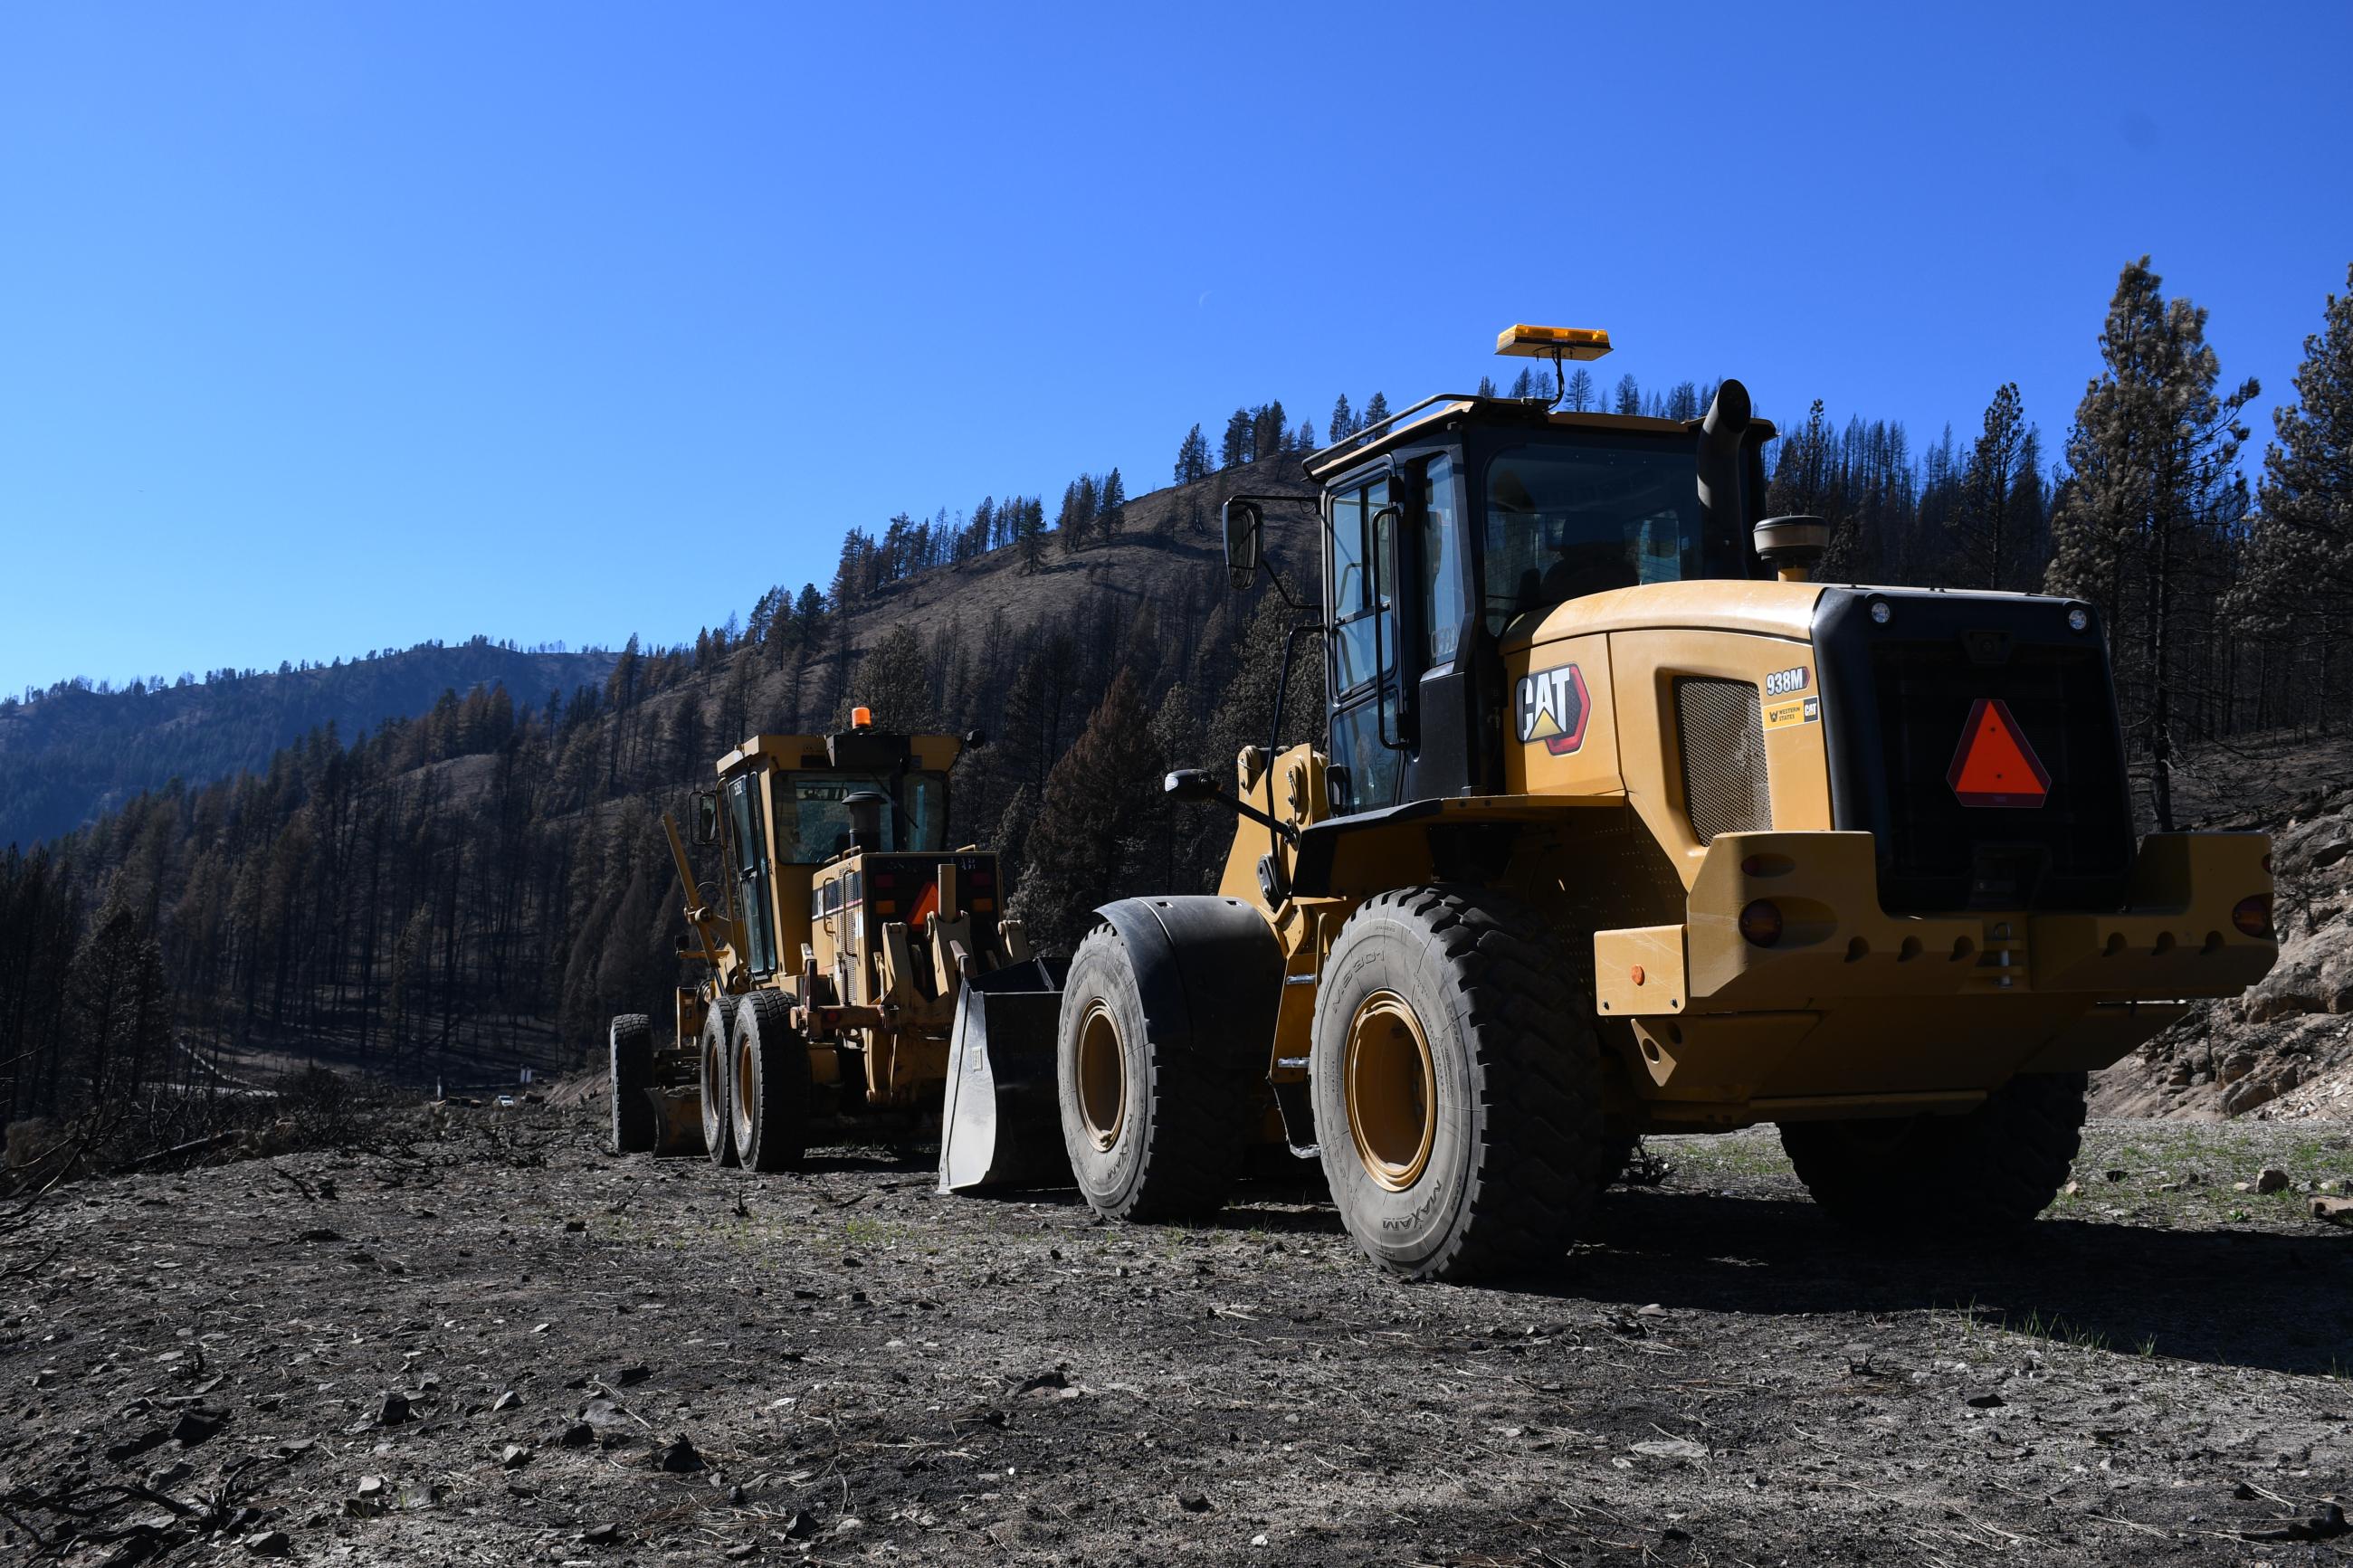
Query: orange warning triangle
point(1995, 766)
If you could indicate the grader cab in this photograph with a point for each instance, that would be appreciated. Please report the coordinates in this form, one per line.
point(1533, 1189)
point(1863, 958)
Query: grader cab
point(1623, 823)
point(830, 958)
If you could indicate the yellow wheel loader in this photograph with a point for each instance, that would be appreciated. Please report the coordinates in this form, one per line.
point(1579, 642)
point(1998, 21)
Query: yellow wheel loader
point(832, 958)
point(1623, 824)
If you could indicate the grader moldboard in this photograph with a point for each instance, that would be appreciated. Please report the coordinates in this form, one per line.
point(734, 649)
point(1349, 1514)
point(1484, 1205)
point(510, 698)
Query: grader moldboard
point(835, 960)
point(1623, 824)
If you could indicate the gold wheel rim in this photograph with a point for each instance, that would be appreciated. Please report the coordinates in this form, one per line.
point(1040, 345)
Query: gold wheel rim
point(1103, 1077)
point(1392, 1088)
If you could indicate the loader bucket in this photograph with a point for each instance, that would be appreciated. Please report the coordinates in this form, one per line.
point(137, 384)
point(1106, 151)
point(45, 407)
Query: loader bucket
point(1001, 1124)
point(678, 1120)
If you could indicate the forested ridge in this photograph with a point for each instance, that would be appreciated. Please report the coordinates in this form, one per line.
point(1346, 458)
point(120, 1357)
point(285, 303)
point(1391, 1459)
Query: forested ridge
point(489, 879)
point(70, 751)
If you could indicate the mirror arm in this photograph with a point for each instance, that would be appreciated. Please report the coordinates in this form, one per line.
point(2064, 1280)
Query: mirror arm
point(1195, 784)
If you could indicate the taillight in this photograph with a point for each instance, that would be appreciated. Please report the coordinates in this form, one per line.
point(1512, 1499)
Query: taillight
point(1761, 922)
point(2252, 916)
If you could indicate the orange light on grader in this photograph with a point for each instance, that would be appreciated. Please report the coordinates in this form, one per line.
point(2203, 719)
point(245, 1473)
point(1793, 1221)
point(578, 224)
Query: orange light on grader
point(862, 718)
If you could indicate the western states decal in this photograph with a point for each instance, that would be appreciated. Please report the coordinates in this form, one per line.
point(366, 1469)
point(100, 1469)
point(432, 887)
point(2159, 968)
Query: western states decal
point(1552, 706)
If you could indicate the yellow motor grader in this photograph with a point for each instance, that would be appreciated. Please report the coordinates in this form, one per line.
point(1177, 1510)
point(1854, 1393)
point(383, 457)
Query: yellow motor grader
point(1623, 823)
point(832, 960)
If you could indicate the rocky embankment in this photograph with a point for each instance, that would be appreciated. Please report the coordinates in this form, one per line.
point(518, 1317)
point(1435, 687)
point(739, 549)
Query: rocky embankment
point(2284, 1050)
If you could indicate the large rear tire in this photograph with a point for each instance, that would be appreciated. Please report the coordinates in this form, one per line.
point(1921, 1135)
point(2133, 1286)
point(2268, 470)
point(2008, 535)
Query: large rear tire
point(768, 1086)
point(635, 1127)
point(718, 1093)
point(1153, 1113)
point(1991, 1171)
point(1457, 1086)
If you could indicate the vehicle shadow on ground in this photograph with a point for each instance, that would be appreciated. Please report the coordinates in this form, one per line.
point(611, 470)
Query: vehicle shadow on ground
point(2231, 1298)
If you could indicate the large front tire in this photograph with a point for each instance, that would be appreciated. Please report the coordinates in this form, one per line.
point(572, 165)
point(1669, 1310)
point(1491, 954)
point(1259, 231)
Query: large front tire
point(1989, 1170)
point(1457, 1086)
point(1153, 1115)
point(768, 1086)
point(718, 1091)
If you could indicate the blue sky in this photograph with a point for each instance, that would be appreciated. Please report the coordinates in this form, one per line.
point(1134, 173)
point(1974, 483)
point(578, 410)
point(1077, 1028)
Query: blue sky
point(326, 328)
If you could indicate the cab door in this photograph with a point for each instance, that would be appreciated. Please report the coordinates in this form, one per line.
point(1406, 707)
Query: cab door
point(1362, 662)
point(751, 871)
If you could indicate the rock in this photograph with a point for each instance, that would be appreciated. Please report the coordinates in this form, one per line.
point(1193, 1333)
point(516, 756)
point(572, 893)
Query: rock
point(744, 1549)
point(169, 1476)
point(394, 1410)
point(195, 1424)
point(799, 1525)
point(1671, 1449)
point(574, 1227)
point(579, 1434)
point(2271, 1179)
point(2242, 1186)
point(508, 1399)
point(269, 1544)
point(1987, 1400)
point(602, 1535)
point(514, 1456)
point(2336, 1211)
point(679, 1459)
point(1193, 1502)
point(2072, 1190)
point(1651, 1310)
point(631, 1374)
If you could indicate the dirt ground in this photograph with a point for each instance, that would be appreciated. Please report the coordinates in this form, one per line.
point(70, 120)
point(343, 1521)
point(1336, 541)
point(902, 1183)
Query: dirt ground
point(481, 1345)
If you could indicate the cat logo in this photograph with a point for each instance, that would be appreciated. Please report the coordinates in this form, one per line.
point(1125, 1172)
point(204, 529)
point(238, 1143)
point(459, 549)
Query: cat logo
point(1552, 705)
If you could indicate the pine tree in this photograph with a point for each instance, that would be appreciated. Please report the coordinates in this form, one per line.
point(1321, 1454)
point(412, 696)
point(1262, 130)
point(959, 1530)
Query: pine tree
point(895, 682)
point(1236, 450)
point(1684, 403)
point(1089, 844)
point(1305, 441)
point(1193, 458)
point(2300, 565)
point(1345, 423)
point(1487, 386)
point(1581, 389)
point(1376, 408)
point(1111, 506)
point(1630, 394)
point(2153, 496)
point(1985, 532)
point(1524, 385)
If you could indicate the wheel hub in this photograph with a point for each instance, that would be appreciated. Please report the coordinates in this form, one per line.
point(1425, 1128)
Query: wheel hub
point(1103, 1077)
point(1392, 1090)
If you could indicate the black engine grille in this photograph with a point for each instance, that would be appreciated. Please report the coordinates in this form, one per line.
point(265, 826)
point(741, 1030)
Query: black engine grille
point(1899, 698)
point(1721, 742)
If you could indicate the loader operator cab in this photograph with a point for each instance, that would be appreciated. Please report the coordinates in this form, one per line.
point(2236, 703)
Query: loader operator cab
point(1449, 523)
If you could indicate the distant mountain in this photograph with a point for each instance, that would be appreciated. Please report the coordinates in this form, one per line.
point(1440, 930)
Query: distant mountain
point(75, 754)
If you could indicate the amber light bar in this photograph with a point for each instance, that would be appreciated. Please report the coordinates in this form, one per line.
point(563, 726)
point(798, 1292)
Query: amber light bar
point(1544, 343)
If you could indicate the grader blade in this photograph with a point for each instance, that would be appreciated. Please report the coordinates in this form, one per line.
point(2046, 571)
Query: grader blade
point(678, 1120)
point(1001, 1125)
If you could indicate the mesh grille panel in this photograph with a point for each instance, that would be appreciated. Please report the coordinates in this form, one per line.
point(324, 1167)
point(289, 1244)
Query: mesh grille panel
point(1720, 733)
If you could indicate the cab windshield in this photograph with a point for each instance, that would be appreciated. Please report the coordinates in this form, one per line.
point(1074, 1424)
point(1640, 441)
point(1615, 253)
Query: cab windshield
point(813, 820)
point(1566, 519)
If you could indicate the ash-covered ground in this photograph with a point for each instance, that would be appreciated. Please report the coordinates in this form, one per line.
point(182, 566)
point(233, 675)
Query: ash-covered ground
point(487, 1342)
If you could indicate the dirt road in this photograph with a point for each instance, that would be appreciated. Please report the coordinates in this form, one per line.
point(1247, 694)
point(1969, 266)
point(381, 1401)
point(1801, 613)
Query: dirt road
point(861, 1370)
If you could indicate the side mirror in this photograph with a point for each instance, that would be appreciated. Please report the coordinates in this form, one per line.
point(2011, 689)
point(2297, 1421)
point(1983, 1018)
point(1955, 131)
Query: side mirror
point(1189, 785)
point(706, 819)
point(1243, 519)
